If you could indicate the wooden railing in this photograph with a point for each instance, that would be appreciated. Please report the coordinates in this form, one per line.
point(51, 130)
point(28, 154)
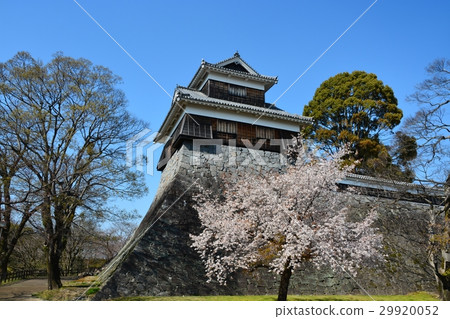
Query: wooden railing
point(36, 273)
point(22, 274)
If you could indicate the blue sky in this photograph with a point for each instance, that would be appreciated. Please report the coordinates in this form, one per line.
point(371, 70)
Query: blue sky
point(396, 40)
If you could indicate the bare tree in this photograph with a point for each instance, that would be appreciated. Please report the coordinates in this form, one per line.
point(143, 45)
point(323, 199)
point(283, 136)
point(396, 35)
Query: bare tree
point(431, 128)
point(431, 123)
point(18, 200)
point(28, 253)
point(91, 245)
point(71, 121)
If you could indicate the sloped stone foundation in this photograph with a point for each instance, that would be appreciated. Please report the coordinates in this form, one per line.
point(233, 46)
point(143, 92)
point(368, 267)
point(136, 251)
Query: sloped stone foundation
point(159, 261)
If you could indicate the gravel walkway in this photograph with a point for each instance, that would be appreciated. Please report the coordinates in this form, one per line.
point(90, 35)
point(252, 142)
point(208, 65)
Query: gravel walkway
point(22, 290)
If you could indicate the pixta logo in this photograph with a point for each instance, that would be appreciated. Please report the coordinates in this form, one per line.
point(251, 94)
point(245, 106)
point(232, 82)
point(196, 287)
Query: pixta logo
point(141, 151)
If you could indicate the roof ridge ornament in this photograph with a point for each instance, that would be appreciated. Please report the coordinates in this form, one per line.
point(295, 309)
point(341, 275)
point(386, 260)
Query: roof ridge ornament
point(236, 54)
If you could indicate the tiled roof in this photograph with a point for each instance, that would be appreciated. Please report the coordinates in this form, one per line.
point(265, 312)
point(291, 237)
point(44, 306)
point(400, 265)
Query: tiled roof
point(195, 95)
point(236, 55)
point(245, 74)
point(192, 94)
point(390, 185)
point(219, 67)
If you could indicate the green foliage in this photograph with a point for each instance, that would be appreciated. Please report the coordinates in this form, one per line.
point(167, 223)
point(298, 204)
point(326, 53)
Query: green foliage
point(405, 147)
point(92, 291)
point(402, 152)
point(356, 109)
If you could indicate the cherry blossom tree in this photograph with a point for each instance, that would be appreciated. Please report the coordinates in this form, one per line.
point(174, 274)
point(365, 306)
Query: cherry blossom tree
point(283, 221)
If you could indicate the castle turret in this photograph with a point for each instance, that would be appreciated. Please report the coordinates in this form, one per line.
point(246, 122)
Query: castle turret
point(224, 110)
point(226, 102)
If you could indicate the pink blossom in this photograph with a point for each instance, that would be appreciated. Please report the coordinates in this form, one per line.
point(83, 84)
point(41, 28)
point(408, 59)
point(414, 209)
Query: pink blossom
point(285, 220)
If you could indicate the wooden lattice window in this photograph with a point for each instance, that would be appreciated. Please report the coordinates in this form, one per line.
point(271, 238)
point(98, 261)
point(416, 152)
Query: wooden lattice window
point(226, 127)
point(196, 126)
point(265, 132)
point(237, 90)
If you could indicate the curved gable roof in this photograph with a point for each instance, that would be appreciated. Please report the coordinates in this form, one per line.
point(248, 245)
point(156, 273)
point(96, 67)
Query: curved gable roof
point(237, 60)
point(234, 66)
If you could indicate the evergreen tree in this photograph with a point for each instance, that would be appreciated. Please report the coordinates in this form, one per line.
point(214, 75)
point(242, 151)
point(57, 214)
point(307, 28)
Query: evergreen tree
point(355, 109)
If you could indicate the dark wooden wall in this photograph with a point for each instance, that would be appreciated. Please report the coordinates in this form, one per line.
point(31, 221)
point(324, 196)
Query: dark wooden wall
point(221, 90)
point(195, 126)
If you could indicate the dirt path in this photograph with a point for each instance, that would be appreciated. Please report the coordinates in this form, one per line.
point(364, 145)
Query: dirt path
point(22, 290)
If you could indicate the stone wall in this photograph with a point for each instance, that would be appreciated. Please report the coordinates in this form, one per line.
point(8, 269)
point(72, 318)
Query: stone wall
point(158, 260)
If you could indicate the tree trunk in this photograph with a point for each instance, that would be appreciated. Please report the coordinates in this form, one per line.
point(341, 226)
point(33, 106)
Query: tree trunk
point(444, 287)
point(8, 242)
point(444, 273)
point(446, 294)
point(284, 283)
point(3, 270)
point(53, 269)
point(443, 281)
point(3, 255)
point(56, 244)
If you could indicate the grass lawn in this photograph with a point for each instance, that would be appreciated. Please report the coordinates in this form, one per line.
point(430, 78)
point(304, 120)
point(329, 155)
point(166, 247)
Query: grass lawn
point(71, 290)
point(417, 296)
